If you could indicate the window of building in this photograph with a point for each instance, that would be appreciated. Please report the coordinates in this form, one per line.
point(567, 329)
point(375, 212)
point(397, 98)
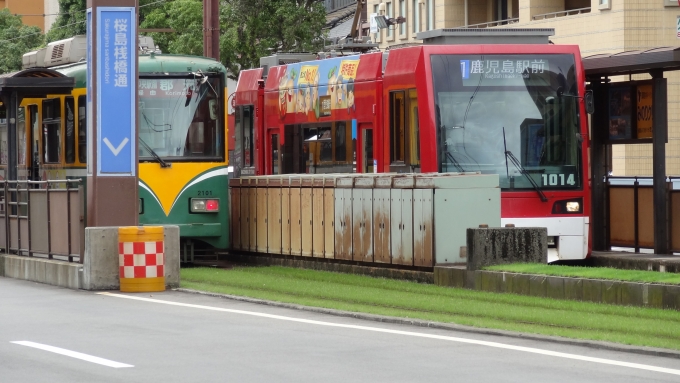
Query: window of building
point(605, 4)
point(82, 130)
point(70, 130)
point(51, 134)
point(376, 37)
point(402, 12)
point(429, 5)
point(389, 14)
point(415, 16)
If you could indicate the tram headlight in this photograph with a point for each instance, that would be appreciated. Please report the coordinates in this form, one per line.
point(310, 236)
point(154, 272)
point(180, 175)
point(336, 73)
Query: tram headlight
point(204, 205)
point(573, 207)
point(569, 206)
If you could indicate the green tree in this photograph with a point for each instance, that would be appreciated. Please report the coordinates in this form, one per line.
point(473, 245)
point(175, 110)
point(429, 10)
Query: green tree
point(70, 22)
point(72, 16)
point(185, 17)
point(15, 40)
point(251, 29)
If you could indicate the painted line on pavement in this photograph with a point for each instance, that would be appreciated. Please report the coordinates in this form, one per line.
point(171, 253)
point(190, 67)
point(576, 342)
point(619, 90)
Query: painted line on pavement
point(73, 354)
point(411, 333)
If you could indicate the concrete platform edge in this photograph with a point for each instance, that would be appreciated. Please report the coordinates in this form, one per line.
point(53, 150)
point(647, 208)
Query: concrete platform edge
point(621, 293)
point(452, 327)
point(47, 271)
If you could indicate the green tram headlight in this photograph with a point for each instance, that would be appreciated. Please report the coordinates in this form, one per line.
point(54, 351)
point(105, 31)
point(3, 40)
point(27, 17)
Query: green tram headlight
point(204, 205)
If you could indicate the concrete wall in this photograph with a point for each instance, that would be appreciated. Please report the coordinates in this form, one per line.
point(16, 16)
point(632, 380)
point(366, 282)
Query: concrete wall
point(579, 289)
point(101, 266)
point(36, 8)
point(498, 246)
point(51, 272)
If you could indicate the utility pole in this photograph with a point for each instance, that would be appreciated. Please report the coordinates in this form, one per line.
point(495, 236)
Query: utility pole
point(211, 29)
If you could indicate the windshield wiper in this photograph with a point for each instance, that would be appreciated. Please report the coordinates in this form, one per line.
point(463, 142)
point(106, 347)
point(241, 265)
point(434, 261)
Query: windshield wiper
point(154, 154)
point(519, 167)
point(454, 162)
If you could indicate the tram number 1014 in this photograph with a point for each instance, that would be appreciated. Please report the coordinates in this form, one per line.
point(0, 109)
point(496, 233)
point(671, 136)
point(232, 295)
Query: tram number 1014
point(558, 179)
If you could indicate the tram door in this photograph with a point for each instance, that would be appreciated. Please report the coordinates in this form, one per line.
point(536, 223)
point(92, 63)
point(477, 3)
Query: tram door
point(369, 165)
point(34, 172)
point(275, 153)
point(293, 157)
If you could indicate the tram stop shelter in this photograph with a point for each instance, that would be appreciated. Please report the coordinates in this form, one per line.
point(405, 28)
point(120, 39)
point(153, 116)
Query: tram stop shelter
point(622, 116)
point(14, 87)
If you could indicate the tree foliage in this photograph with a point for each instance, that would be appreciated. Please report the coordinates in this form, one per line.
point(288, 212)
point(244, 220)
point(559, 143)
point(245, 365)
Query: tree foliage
point(251, 29)
point(15, 40)
point(185, 17)
point(70, 22)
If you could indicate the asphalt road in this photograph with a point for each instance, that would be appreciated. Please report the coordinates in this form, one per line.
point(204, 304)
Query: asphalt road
point(205, 339)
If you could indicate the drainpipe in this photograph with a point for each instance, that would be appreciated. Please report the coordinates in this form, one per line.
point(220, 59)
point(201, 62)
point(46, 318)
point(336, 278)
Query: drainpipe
point(466, 13)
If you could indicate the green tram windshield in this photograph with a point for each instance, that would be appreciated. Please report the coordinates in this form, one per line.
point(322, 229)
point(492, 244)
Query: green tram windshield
point(180, 119)
point(509, 115)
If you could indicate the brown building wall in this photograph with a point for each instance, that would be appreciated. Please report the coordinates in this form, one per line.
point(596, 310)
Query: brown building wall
point(27, 7)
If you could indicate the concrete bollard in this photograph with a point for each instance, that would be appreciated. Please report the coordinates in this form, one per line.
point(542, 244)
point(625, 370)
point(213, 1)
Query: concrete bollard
point(496, 246)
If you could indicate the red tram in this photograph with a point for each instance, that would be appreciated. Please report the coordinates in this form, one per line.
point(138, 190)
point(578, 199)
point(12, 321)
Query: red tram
point(513, 110)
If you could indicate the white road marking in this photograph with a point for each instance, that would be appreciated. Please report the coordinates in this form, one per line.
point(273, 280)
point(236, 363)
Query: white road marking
point(411, 333)
point(73, 354)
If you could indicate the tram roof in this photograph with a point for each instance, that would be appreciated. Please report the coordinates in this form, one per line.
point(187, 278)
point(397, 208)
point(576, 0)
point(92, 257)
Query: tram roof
point(35, 82)
point(632, 62)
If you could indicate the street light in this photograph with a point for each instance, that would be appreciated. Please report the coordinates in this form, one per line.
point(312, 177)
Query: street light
point(383, 22)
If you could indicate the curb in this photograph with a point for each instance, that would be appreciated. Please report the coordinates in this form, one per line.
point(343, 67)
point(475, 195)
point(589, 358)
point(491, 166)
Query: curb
point(599, 345)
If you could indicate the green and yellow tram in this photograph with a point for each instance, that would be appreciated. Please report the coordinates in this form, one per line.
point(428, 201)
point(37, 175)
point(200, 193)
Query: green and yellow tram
point(182, 148)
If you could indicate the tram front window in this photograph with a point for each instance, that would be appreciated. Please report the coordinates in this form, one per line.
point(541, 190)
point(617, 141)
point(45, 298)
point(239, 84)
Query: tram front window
point(492, 109)
point(180, 119)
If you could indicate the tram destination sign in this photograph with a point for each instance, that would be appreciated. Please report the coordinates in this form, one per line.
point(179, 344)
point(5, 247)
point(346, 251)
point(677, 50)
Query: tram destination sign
point(507, 70)
point(116, 87)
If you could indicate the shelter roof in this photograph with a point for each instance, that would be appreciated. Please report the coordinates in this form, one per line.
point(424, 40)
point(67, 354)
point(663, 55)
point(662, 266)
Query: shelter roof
point(632, 62)
point(36, 82)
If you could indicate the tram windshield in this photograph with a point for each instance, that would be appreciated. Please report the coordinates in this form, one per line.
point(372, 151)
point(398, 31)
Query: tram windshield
point(180, 119)
point(512, 115)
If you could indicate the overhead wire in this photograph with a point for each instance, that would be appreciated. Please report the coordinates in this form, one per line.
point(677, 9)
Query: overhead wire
point(68, 25)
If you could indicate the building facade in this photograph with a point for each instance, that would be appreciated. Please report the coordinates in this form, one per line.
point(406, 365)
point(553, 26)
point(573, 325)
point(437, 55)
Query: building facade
point(597, 26)
point(36, 13)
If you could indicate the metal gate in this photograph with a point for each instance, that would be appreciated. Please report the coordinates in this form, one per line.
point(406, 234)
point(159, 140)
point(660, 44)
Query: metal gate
point(631, 212)
point(43, 219)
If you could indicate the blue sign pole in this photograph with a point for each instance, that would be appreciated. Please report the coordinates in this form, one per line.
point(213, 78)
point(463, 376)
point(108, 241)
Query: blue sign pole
point(112, 179)
point(116, 87)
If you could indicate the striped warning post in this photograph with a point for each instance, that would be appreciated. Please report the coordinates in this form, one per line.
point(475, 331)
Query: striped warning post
point(141, 259)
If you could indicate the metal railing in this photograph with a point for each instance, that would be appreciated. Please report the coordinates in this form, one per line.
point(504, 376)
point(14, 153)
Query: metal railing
point(570, 12)
point(630, 218)
point(43, 219)
point(492, 24)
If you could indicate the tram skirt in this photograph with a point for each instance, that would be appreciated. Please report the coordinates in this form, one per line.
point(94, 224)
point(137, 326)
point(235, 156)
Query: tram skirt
point(141, 259)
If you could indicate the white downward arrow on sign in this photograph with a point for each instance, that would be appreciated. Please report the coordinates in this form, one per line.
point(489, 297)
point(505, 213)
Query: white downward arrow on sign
point(120, 147)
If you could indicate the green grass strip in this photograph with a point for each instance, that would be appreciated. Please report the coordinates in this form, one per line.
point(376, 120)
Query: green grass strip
point(590, 272)
point(627, 325)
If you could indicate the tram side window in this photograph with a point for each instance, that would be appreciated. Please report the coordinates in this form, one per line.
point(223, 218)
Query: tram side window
point(413, 128)
point(397, 128)
point(21, 136)
point(35, 135)
point(82, 130)
point(51, 135)
point(404, 128)
point(248, 136)
point(70, 130)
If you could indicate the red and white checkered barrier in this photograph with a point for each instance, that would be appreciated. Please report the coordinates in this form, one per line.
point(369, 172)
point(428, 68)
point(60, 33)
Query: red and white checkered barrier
point(141, 259)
